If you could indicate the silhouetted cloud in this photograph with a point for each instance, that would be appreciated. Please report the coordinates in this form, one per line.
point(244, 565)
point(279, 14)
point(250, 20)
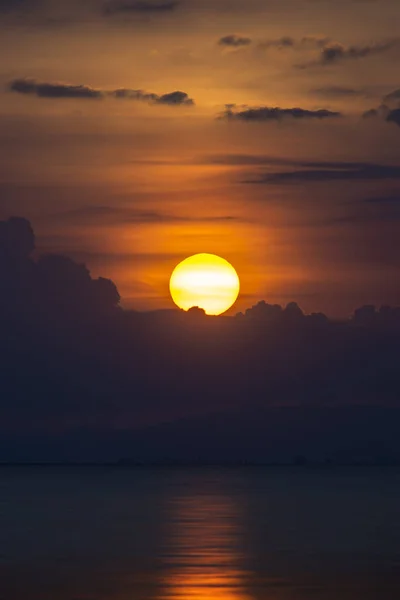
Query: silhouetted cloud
point(394, 116)
point(175, 98)
point(52, 283)
point(348, 173)
point(53, 90)
point(131, 6)
point(61, 90)
point(73, 360)
point(266, 113)
point(234, 41)
point(334, 52)
point(383, 112)
point(395, 95)
point(16, 238)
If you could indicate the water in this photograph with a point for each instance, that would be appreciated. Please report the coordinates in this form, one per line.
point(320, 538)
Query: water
point(204, 534)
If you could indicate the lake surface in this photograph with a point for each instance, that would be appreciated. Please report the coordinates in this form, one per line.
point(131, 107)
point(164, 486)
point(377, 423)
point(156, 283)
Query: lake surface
point(97, 533)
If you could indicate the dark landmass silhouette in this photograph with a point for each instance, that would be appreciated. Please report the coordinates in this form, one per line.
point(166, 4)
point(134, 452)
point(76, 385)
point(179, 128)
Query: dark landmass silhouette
point(84, 380)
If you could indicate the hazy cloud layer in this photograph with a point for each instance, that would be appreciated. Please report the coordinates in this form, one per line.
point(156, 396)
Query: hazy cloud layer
point(337, 91)
point(61, 90)
point(335, 172)
point(118, 215)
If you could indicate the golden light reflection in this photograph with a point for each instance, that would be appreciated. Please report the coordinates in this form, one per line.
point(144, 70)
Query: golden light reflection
point(203, 558)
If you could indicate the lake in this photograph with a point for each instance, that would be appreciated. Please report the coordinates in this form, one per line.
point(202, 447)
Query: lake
point(289, 533)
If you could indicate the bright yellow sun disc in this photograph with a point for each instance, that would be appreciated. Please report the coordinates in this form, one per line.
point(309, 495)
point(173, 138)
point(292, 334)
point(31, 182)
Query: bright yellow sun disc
point(207, 281)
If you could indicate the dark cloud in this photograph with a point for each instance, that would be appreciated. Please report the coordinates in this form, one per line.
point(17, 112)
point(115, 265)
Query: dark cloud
point(175, 98)
point(61, 90)
point(395, 95)
point(126, 6)
point(53, 90)
point(334, 52)
point(127, 94)
point(234, 41)
point(74, 361)
point(350, 172)
point(172, 99)
point(266, 113)
point(385, 113)
point(394, 116)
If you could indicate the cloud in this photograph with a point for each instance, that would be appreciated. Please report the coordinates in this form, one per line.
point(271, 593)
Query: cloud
point(118, 215)
point(266, 113)
point(287, 41)
point(259, 160)
point(53, 90)
point(395, 95)
point(171, 99)
point(125, 6)
point(334, 52)
point(282, 42)
point(74, 360)
point(175, 98)
point(61, 90)
point(394, 116)
point(234, 41)
point(337, 91)
point(334, 172)
point(385, 113)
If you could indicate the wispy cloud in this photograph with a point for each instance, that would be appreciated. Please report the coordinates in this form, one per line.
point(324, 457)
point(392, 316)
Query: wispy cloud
point(324, 173)
point(61, 90)
point(266, 113)
point(53, 90)
point(337, 91)
point(333, 53)
point(120, 215)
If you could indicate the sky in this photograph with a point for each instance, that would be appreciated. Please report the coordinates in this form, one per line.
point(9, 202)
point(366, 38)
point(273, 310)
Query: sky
point(134, 134)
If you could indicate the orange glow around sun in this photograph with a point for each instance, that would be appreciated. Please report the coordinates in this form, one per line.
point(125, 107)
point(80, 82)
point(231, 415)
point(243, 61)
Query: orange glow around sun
point(207, 281)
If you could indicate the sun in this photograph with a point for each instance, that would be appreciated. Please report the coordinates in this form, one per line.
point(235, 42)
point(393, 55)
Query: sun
point(207, 281)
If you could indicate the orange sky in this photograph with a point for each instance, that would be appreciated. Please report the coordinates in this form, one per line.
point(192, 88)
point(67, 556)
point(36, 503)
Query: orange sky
point(131, 187)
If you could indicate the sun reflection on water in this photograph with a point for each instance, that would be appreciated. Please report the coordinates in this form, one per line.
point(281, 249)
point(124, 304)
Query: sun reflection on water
point(203, 557)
